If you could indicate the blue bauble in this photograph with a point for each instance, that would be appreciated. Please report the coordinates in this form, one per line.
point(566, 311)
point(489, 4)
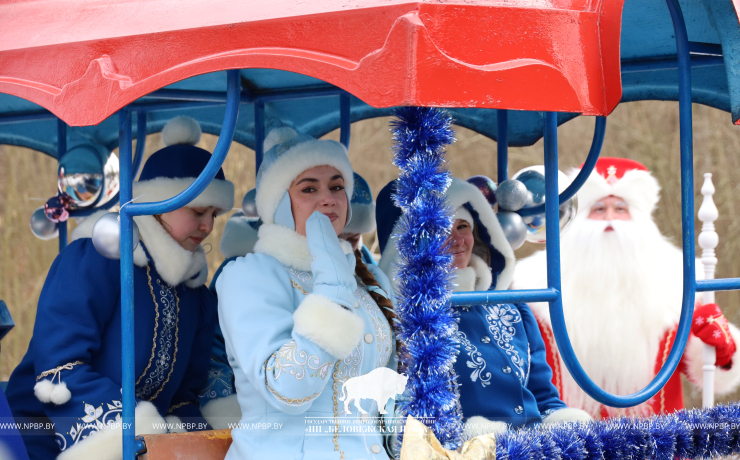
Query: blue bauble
point(535, 183)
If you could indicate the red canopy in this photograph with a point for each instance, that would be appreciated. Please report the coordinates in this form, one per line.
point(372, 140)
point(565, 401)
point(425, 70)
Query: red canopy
point(84, 60)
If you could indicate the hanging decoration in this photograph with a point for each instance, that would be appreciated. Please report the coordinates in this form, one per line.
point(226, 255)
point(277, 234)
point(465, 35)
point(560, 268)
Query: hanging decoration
point(106, 235)
point(57, 208)
point(427, 323)
point(42, 227)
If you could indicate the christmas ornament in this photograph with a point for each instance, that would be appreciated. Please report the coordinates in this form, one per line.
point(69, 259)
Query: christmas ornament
point(42, 227)
point(534, 180)
point(511, 195)
point(514, 228)
point(57, 208)
point(80, 175)
point(487, 187)
point(249, 205)
point(106, 235)
point(112, 183)
point(427, 322)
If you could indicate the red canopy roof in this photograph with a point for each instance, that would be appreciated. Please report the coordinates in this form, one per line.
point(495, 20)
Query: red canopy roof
point(84, 60)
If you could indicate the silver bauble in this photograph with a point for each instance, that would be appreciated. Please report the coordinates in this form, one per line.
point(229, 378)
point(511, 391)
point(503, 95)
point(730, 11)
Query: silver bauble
point(249, 204)
point(42, 227)
point(80, 175)
point(536, 224)
point(511, 195)
point(112, 182)
point(106, 235)
point(514, 228)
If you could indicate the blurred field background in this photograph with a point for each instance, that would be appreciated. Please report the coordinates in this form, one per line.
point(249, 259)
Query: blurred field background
point(644, 131)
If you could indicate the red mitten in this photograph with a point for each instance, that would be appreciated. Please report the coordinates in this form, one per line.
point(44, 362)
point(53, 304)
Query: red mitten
point(712, 328)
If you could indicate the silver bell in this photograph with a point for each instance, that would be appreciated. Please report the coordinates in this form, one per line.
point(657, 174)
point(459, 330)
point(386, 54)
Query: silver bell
point(106, 235)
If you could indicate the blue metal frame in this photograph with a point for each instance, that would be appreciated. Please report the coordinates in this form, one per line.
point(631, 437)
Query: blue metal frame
point(588, 166)
point(61, 150)
point(502, 145)
point(127, 249)
point(345, 120)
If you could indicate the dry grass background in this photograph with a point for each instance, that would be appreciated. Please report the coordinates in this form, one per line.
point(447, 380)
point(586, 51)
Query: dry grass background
point(644, 131)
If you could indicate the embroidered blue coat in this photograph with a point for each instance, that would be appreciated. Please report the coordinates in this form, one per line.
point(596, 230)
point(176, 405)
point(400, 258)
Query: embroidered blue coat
point(78, 325)
point(289, 384)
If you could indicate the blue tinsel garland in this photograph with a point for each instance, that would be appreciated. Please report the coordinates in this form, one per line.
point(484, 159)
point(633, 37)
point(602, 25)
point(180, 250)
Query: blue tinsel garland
point(427, 322)
point(690, 434)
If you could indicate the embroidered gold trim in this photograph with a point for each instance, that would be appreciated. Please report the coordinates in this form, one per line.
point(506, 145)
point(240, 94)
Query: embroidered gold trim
point(336, 410)
point(177, 406)
point(57, 370)
point(284, 400)
point(154, 341)
point(298, 286)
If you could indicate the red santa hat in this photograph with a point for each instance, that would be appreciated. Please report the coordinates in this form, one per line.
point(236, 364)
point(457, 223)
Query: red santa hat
point(623, 178)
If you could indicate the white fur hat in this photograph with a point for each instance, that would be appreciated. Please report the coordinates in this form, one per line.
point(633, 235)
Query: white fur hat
point(287, 155)
point(623, 178)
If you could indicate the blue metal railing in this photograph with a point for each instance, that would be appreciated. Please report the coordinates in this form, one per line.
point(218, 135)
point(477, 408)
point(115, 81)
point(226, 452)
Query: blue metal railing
point(502, 145)
point(127, 250)
point(61, 150)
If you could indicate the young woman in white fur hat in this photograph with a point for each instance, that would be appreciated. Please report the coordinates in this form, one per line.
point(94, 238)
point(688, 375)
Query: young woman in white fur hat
point(70, 377)
point(302, 315)
point(502, 370)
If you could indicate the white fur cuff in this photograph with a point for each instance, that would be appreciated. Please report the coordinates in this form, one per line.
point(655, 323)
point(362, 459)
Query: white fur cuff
point(331, 326)
point(476, 426)
point(222, 413)
point(567, 415)
point(107, 443)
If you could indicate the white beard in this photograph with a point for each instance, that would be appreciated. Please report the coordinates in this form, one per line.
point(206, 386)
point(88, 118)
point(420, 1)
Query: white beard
point(621, 291)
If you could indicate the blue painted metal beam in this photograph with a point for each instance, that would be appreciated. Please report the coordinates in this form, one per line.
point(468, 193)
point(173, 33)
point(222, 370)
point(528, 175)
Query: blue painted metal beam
point(345, 119)
point(502, 145)
point(61, 150)
point(727, 284)
point(128, 210)
point(687, 220)
point(259, 135)
point(588, 166)
point(494, 297)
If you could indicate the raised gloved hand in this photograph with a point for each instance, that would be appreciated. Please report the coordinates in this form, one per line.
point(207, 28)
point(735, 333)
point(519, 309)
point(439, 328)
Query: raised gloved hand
point(712, 328)
point(332, 270)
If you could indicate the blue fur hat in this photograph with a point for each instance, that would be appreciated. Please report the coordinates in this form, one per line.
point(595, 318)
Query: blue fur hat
point(363, 208)
point(287, 155)
point(172, 169)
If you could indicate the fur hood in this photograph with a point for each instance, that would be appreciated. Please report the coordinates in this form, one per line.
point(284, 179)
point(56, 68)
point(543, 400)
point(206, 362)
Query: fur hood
point(461, 193)
point(173, 263)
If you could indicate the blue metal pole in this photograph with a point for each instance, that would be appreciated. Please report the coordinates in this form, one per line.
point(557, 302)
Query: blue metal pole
point(61, 150)
point(214, 164)
point(140, 142)
point(728, 284)
point(687, 221)
point(345, 121)
point(494, 297)
point(127, 285)
point(588, 166)
point(502, 144)
point(259, 134)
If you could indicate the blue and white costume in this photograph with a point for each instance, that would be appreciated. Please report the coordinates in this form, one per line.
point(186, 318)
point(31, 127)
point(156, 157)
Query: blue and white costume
point(298, 324)
point(71, 374)
point(503, 373)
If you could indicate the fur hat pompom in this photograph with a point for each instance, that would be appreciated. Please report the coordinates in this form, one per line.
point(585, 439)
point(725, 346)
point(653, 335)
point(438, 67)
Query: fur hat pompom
point(278, 136)
point(181, 130)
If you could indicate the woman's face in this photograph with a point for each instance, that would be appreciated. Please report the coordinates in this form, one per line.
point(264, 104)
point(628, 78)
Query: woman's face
point(321, 189)
point(461, 243)
point(189, 226)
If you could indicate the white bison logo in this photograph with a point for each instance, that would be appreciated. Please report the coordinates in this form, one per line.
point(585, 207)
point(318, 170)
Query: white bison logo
point(379, 384)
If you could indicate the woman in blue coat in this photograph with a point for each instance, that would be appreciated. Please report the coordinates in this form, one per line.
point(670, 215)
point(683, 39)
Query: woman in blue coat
point(304, 320)
point(70, 378)
point(504, 377)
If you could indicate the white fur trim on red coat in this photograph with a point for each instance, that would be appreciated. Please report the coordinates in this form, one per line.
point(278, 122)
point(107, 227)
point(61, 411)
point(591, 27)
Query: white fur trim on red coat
point(329, 325)
point(107, 443)
point(639, 189)
point(222, 413)
point(725, 381)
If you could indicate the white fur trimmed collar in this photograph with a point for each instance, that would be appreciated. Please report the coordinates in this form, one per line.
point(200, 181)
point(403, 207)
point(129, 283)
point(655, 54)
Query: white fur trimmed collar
point(287, 246)
point(475, 277)
point(174, 263)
